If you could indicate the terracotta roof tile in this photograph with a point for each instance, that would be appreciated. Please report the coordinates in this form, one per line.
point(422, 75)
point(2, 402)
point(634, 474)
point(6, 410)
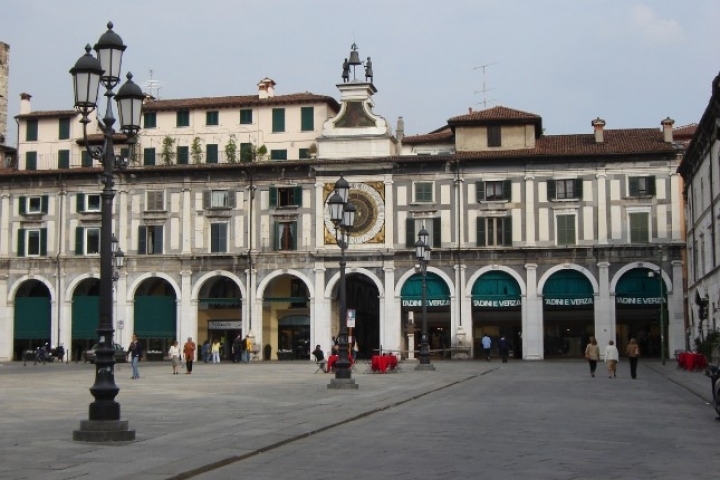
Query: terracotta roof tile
point(48, 114)
point(443, 136)
point(686, 131)
point(494, 114)
point(238, 102)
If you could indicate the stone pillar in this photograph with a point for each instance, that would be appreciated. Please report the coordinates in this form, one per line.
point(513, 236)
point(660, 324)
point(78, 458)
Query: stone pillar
point(390, 314)
point(411, 335)
point(187, 309)
point(675, 310)
point(602, 233)
point(530, 210)
point(604, 311)
point(532, 322)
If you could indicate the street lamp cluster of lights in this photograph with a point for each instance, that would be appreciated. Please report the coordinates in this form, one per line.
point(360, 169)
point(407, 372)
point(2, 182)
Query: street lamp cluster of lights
point(89, 72)
point(342, 215)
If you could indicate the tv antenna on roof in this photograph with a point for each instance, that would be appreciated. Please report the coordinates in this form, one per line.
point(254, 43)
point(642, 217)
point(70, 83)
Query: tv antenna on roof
point(153, 86)
point(484, 90)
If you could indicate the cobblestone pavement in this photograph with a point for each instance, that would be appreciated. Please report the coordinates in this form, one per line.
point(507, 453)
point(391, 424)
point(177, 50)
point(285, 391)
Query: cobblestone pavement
point(277, 420)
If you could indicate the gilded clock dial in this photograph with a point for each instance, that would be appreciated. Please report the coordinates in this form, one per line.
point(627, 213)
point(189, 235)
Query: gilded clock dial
point(369, 217)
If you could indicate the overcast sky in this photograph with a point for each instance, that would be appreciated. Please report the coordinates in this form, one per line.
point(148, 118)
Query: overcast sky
point(633, 63)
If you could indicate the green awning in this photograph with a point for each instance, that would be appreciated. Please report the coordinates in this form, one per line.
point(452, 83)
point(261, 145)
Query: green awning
point(496, 290)
point(32, 318)
point(85, 316)
point(220, 301)
point(294, 320)
point(567, 289)
point(638, 288)
point(155, 317)
point(438, 293)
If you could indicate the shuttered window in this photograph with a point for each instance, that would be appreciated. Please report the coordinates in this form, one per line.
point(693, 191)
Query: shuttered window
point(278, 120)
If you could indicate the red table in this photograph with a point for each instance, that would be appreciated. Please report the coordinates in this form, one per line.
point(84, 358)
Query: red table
point(692, 361)
point(381, 363)
point(332, 359)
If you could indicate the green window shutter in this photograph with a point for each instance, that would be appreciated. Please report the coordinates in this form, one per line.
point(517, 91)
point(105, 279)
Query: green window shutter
point(507, 231)
point(212, 153)
point(79, 240)
point(278, 154)
point(507, 193)
point(142, 240)
point(86, 159)
point(246, 152)
point(246, 116)
point(579, 188)
point(64, 128)
point(633, 186)
point(278, 119)
point(44, 204)
point(651, 185)
point(183, 155)
point(21, 242)
point(22, 205)
point(297, 196)
point(437, 233)
point(149, 156)
point(276, 237)
point(303, 153)
point(273, 197)
point(31, 133)
point(307, 122)
point(31, 161)
point(480, 191)
point(80, 202)
point(410, 233)
point(232, 199)
point(551, 195)
point(293, 232)
point(43, 241)
point(149, 120)
point(481, 241)
point(207, 199)
point(64, 159)
point(158, 241)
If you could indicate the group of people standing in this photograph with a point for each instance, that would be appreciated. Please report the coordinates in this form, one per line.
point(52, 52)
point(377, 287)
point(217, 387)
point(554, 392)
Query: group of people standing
point(612, 357)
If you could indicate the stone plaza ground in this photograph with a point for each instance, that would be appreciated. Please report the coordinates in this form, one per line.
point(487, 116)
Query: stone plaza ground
point(467, 419)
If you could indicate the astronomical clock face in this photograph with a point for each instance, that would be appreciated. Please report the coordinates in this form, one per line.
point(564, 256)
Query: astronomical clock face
point(369, 224)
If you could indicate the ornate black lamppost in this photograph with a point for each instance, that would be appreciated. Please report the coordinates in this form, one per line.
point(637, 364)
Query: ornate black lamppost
point(104, 424)
point(422, 253)
point(342, 214)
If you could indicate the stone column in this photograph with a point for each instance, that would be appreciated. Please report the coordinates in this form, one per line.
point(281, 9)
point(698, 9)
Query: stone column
point(532, 322)
point(604, 311)
point(529, 210)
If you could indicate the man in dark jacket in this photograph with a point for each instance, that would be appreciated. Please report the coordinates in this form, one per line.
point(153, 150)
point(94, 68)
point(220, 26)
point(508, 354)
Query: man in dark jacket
point(136, 353)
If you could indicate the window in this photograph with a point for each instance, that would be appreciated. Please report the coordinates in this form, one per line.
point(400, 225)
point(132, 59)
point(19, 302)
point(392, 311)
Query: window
point(63, 159)
point(246, 116)
point(34, 204)
point(183, 155)
point(423, 192)
point(278, 120)
point(494, 137)
point(31, 160)
point(31, 130)
point(494, 231)
point(87, 241)
point(149, 120)
point(639, 227)
point(88, 202)
point(304, 153)
point(307, 119)
point(565, 229)
point(246, 152)
point(85, 159)
point(32, 243)
point(182, 118)
point(641, 186)
point(413, 227)
point(212, 117)
point(568, 189)
point(218, 237)
point(492, 191)
point(64, 128)
point(278, 154)
point(155, 200)
point(211, 152)
point(218, 199)
point(285, 236)
point(149, 156)
point(150, 240)
point(285, 196)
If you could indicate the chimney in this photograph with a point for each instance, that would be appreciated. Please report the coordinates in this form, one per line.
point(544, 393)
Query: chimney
point(25, 103)
point(469, 109)
point(266, 88)
point(400, 130)
point(667, 127)
point(598, 124)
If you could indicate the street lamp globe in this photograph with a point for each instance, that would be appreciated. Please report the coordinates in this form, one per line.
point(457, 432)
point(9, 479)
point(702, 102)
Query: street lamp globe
point(129, 102)
point(86, 82)
point(110, 48)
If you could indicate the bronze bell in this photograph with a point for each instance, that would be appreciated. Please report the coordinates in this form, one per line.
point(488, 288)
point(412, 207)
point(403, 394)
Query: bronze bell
point(354, 56)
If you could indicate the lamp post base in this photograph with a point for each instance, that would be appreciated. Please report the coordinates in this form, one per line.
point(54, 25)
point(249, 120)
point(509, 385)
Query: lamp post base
point(342, 384)
point(425, 367)
point(104, 431)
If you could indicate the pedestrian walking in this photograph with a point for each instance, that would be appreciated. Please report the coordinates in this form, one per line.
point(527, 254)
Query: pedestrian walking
point(592, 353)
point(611, 359)
point(237, 348)
point(486, 345)
point(206, 351)
point(135, 352)
point(504, 348)
point(633, 352)
point(189, 354)
point(215, 351)
point(246, 347)
point(174, 354)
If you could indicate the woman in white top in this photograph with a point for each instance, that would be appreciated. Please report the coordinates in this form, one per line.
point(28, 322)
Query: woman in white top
point(611, 359)
point(174, 354)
